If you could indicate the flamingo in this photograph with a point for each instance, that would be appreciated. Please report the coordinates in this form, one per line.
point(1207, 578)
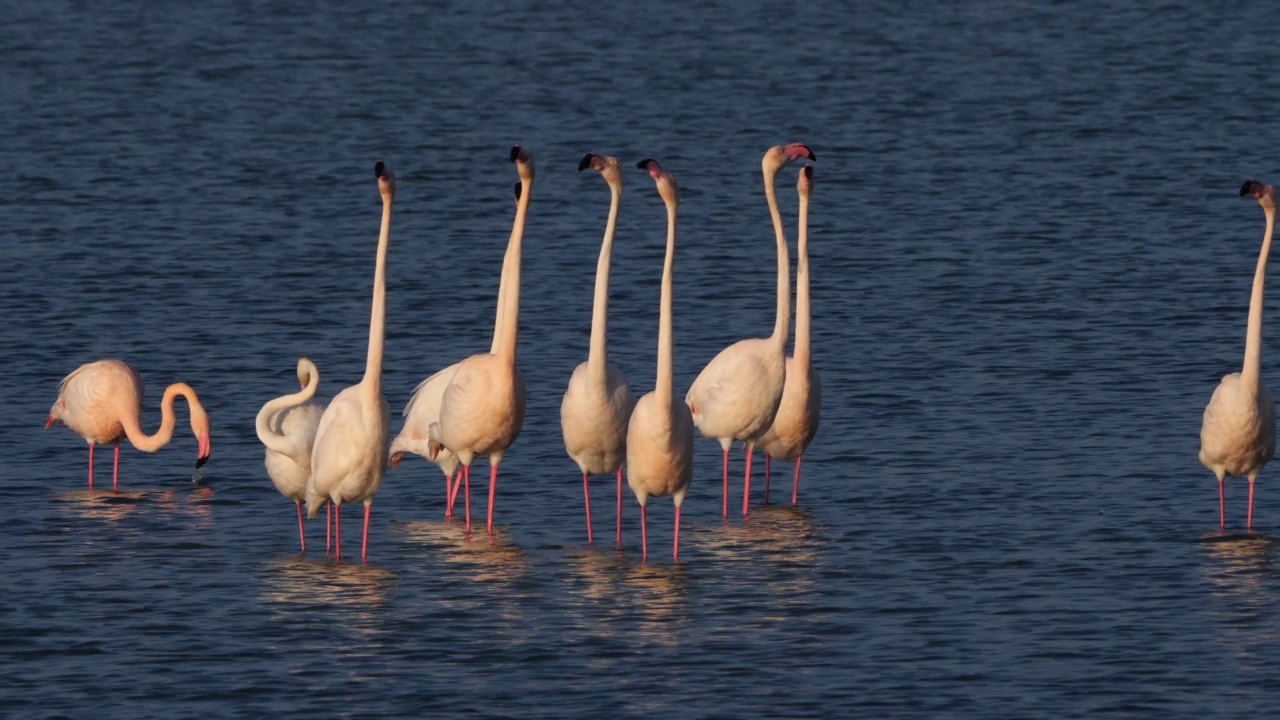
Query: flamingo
point(660, 433)
point(797, 420)
point(349, 455)
point(597, 404)
point(287, 426)
point(101, 402)
point(737, 394)
point(483, 406)
point(1238, 435)
point(423, 409)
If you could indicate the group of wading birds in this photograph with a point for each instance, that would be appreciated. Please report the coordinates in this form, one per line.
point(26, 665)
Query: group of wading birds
point(327, 455)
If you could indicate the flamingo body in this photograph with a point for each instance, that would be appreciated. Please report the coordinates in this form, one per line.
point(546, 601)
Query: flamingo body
point(287, 427)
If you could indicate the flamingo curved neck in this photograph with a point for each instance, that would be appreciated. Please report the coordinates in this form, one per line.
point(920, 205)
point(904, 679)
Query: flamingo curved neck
point(504, 345)
point(152, 443)
point(598, 356)
point(1252, 371)
point(275, 441)
point(664, 388)
point(372, 381)
point(801, 350)
point(783, 318)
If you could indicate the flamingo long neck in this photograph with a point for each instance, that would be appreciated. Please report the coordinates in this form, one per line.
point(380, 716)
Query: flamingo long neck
point(664, 388)
point(1252, 372)
point(598, 356)
point(372, 381)
point(152, 443)
point(801, 350)
point(782, 323)
point(504, 345)
point(275, 441)
point(502, 287)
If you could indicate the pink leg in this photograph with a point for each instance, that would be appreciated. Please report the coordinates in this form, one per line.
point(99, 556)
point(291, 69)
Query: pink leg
point(90, 466)
point(302, 533)
point(493, 488)
point(746, 487)
point(675, 544)
point(1222, 506)
point(466, 481)
point(795, 483)
point(618, 540)
point(768, 467)
point(328, 528)
point(1249, 519)
point(337, 532)
point(364, 544)
point(644, 536)
point(586, 497)
point(115, 470)
point(448, 494)
point(453, 492)
point(725, 512)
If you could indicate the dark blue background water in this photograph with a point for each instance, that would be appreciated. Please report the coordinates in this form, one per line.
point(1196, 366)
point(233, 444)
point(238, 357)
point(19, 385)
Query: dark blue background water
point(1030, 270)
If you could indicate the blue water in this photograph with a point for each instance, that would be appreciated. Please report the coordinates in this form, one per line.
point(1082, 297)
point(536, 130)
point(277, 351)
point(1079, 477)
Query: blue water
point(1030, 269)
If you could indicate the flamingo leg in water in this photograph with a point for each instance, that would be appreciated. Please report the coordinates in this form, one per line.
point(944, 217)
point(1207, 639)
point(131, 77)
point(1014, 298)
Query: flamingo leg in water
point(337, 532)
point(115, 470)
point(466, 482)
point(453, 494)
point(90, 466)
point(746, 486)
point(644, 536)
point(1221, 505)
point(364, 543)
point(675, 544)
point(586, 498)
point(725, 512)
point(448, 494)
point(328, 528)
point(302, 533)
point(618, 539)
point(1249, 519)
point(493, 488)
point(768, 467)
point(795, 484)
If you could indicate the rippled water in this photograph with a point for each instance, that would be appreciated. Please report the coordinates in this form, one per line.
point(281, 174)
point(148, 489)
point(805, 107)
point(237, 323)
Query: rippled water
point(1030, 270)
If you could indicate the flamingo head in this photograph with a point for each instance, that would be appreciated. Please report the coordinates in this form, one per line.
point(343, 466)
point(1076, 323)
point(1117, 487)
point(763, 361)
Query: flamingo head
point(386, 180)
point(1264, 194)
point(607, 165)
point(306, 370)
point(55, 414)
point(777, 157)
point(667, 187)
point(200, 428)
point(804, 183)
point(524, 162)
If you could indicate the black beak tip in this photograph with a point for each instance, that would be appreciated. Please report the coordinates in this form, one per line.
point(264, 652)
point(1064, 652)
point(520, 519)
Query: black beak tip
point(644, 164)
point(201, 461)
point(811, 155)
point(515, 153)
point(1246, 187)
point(379, 168)
point(585, 162)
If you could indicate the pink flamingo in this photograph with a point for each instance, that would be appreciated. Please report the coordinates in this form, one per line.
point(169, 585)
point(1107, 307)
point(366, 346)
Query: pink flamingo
point(737, 394)
point(101, 402)
point(660, 433)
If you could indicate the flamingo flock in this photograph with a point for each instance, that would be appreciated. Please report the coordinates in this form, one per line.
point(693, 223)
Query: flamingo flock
point(325, 455)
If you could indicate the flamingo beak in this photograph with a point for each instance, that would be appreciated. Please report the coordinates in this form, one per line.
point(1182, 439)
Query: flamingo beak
point(205, 450)
point(48, 422)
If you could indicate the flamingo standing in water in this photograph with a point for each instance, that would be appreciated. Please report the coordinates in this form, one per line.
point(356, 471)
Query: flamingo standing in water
point(797, 420)
point(287, 427)
point(597, 404)
point(349, 455)
point(1238, 435)
point(423, 409)
point(101, 402)
point(660, 433)
point(483, 406)
point(736, 395)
